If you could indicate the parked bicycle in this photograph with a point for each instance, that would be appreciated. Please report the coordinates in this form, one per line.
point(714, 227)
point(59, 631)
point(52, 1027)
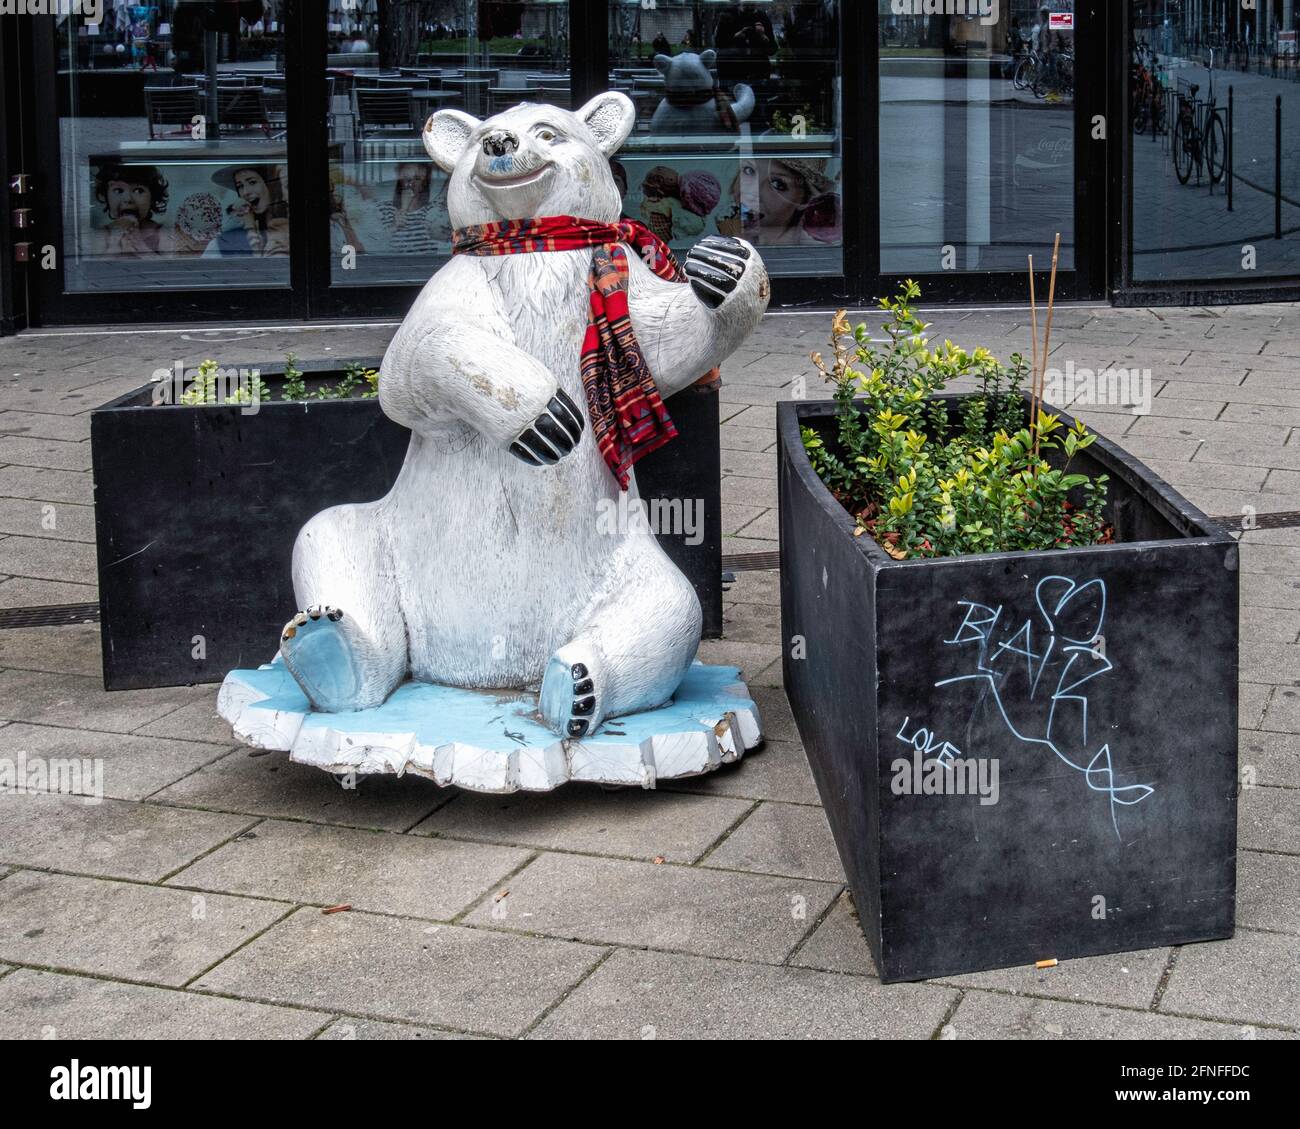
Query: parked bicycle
point(1200, 142)
point(1147, 91)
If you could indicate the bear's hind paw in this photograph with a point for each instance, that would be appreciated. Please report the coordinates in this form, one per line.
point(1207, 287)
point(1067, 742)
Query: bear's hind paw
point(571, 701)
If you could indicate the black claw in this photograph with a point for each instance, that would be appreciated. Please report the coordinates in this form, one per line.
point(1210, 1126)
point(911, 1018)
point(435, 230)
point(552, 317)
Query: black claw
point(538, 447)
point(723, 243)
point(555, 434)
point(521, 452)
point(584, 706)
point(579, 671)
point(577, 728)
point(584, 687)
point(562, 408)
point(721, 262)
point(335, 615)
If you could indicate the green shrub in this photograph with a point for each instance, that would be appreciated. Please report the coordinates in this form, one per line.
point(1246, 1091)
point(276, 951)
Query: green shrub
point(926, 488)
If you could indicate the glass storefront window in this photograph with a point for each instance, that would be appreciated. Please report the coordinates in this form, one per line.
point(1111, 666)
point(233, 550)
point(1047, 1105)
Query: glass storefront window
point(1187, 149)
point(738, 124)
point(390, 66)
point(172, 126)
point(976, 136)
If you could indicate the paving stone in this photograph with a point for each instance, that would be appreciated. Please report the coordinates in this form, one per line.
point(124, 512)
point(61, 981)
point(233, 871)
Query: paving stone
point(1268, 892)
point(759, 493)
point(394, 968)
point(777, 771)
point(628, 822)
point(749, 463)
point(369, 870)
point(1283, 712)
point(123, 929)
point(736, 437)
point(778, 720)
point(342, 1030)
point(71, 649)
point(751, 623)
point(26, 592)
point(986, 1015)
point(1268, 591)
point(1160, 447)
point(271, 785)
point(761, 586)
point(78, 702)
point(52, 454)
point(837, 944)
point(1252, 701)
point(1214, 475)
point(638, 995)
point(41, 425)
point(792, 840)
point(1268, 819)
point(1120, 979)
point(44, 559)
point(1275, 663)
point(1274, 758)
point(766, 526)
point(61, 521)
point(1212, 431)
point(113, 838)
point(51, 1005)
point(46, 485)
point(751, 658)
point(1282, 560)
point(734, 517)
point(199, 721)
point(132, 767)
point(1249, 978)
point(690, 909)
point(1267, 625)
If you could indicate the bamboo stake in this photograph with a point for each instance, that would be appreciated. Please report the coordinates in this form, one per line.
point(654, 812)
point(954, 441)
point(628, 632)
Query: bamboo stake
point(1047, 333)
point(1033, 371)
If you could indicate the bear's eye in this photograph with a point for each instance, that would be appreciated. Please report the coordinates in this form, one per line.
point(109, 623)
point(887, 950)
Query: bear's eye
point(545, 133)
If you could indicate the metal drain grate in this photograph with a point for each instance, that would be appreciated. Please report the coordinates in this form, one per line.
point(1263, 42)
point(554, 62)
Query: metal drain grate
point(51, 615)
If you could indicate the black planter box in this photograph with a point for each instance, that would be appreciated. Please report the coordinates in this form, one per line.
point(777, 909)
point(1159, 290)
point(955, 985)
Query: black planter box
point(887, 662)
point(197, 509)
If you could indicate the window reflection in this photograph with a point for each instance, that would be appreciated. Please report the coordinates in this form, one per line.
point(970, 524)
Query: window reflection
point(172, 120)
point(392, 65)
point(737, 124)
point(976, 135)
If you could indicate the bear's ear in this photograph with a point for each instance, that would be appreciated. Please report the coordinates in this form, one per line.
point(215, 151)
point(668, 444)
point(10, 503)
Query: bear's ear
point(610, 117)
point(446, 134)
point(708, 58)
point(663, 63)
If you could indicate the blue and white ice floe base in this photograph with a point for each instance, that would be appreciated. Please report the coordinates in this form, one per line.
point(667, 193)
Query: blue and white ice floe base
point(494, 741)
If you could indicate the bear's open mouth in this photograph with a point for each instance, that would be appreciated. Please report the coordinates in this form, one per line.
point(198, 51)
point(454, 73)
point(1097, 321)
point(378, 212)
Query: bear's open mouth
point(514, 181)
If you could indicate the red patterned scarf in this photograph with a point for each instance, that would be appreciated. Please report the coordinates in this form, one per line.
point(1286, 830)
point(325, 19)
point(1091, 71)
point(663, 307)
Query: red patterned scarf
point(628, 417)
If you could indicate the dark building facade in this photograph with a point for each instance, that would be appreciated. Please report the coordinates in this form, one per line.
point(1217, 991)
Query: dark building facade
point(210, 160)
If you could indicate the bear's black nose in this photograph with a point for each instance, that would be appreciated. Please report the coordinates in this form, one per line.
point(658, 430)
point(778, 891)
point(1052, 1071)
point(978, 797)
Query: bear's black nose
point(499, 143)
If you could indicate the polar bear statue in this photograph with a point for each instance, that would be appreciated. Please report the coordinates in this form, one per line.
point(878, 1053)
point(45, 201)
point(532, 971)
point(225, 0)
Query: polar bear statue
point(693, 102)
point(485, 566)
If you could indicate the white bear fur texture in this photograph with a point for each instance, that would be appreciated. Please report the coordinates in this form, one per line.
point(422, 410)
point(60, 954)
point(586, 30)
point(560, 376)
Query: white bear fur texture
point(477, 569)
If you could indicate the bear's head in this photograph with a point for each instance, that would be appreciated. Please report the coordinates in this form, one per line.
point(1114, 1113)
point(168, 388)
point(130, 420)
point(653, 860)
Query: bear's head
point(688, 78)
point(531, 160)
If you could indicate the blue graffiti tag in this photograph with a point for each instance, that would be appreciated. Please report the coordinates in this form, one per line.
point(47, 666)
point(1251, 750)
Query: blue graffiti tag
point(1066, 645)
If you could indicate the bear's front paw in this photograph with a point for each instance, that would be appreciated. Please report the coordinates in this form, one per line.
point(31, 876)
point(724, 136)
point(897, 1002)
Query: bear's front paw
point(715, 265)
point(553, 434)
